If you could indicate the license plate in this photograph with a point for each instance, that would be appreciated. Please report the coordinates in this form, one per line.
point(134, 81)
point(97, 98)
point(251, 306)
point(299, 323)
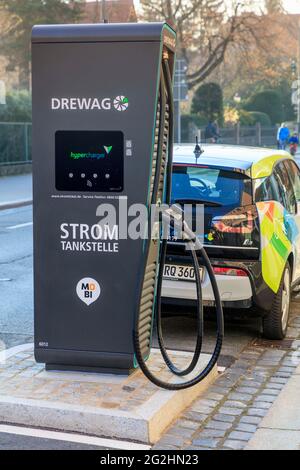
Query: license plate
point(178, 272)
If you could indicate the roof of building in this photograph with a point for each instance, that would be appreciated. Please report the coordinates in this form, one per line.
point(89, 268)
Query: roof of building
point(256, 162)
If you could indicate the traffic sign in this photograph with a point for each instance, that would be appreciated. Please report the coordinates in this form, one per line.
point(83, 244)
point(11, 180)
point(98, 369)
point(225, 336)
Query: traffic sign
point(180, 81)
point(2, 92)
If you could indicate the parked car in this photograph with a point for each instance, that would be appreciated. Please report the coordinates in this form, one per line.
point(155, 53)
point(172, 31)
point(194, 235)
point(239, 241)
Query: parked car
point(251, 230)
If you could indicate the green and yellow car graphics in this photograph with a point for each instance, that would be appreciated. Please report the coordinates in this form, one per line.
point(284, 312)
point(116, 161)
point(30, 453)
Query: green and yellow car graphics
point(278, 232)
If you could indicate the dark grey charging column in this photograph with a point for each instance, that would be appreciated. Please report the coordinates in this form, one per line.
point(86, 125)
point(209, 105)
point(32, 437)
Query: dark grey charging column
point(96, 117)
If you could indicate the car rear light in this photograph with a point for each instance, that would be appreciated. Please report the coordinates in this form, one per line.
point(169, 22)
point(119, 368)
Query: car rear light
point(240, 223)
point(237, 228)
point(229, 271)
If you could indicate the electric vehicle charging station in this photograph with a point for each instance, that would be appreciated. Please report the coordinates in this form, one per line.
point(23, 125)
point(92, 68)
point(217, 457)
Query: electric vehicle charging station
point(102, 133)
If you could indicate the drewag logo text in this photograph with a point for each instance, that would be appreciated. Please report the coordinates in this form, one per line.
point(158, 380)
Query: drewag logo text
point(119, 103)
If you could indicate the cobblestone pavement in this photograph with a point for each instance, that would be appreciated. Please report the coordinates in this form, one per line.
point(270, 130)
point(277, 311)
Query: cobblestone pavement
point(21, 377)
point(228, 414)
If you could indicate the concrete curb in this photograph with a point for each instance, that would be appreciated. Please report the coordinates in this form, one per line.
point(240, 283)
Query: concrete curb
point(280, 429)
point(15, 204)
point(24, 404)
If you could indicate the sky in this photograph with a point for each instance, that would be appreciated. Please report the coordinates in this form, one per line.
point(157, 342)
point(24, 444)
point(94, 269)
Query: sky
point(292, 6)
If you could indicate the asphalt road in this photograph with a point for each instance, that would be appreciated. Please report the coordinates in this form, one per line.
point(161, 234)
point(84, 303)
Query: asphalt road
point(16, 286)
point(16, 442)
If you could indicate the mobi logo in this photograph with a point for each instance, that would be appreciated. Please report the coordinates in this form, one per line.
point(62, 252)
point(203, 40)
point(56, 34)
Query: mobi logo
point(120, 103)
point(88, 290)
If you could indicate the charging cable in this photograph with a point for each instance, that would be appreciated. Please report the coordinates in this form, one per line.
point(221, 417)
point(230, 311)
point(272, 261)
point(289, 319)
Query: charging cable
point(194, 248)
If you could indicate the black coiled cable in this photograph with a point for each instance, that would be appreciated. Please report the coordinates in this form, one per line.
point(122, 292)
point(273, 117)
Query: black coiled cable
point(194, 246)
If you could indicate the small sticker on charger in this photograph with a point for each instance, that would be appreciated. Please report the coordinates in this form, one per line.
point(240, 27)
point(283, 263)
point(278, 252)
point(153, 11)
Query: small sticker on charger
point(88, 290)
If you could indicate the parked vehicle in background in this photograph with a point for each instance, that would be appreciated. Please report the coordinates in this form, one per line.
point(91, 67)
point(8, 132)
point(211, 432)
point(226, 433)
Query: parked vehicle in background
point(251, 233)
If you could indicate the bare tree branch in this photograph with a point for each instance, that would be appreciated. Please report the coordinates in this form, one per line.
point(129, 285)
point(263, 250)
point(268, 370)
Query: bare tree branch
point(208, 29)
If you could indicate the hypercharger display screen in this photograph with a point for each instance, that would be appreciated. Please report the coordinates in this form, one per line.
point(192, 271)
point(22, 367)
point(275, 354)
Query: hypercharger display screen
point(89, 161)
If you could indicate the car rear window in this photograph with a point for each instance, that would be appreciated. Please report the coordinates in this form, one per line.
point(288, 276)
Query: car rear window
point(215, 185)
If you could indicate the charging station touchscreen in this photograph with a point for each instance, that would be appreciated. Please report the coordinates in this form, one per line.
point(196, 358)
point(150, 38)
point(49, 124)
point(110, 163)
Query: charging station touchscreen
point(89, 160)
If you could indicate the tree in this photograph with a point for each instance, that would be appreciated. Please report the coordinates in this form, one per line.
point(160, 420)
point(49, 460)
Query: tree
point(205, 30)
point(268, 102)
point(259, 117)
point(283, 87)
point(208, 102)
point(253, 66)
point(21, 16)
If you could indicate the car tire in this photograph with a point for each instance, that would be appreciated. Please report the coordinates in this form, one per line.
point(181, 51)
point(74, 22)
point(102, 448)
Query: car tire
point(275, 323)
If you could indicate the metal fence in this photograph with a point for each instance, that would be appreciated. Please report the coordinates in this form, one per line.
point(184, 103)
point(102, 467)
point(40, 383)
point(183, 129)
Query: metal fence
point(239, 135)
point(15, 142)
point(253, 136)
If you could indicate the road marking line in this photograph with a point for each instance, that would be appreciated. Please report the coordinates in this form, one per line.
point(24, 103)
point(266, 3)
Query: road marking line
point(69, 437)
point(26, 224)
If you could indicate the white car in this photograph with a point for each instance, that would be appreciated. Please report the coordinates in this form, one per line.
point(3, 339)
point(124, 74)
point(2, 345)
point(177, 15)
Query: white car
point(251, 229)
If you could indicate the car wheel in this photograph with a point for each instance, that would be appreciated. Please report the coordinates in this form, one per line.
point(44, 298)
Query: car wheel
point(275, 323)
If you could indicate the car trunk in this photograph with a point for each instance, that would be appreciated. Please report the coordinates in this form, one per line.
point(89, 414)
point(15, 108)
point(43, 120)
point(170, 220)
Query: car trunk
point(229, 224)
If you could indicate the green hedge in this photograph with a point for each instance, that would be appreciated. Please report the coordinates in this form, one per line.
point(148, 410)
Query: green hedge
point(186, 119)
point(262, 118)
point(267, 101)
point(15, 143)
point(250, 118)
point(208, 102)
point(17, 107)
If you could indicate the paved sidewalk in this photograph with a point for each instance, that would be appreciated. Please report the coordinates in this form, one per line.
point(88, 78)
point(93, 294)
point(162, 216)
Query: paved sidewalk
point(15, 191)
point(113, 406)
point(280, 429)
point(230, 413)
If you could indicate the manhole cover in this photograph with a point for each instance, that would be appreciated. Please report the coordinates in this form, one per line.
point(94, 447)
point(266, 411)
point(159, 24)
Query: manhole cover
point(273, 344)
